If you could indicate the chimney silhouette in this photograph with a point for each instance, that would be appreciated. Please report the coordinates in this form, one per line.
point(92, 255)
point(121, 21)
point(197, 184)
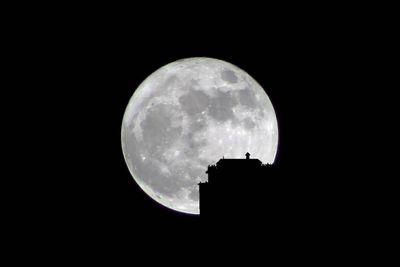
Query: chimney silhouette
point(247, 155)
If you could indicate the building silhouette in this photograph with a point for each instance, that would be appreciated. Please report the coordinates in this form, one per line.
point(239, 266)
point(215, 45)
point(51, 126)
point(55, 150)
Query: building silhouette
point(236, 188)
point(246, 193)
point(244, 198)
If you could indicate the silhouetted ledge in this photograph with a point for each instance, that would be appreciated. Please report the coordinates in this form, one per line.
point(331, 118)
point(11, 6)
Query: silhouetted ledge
point(246, 193)
point(235, 187)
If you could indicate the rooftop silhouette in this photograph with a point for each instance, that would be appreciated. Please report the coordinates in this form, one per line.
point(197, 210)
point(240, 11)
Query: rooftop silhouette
point(246, 198)
point(245, 192)
point(235, 188)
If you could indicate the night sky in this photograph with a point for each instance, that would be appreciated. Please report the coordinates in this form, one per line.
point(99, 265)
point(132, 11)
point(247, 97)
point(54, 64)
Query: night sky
point(84, 68)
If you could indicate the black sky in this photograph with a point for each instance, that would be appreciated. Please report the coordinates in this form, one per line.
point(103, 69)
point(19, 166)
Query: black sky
point(84, 65)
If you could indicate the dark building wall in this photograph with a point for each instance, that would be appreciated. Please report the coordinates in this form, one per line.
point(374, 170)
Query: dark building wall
point(248, 193)
point(235, 188)
point(245, 199)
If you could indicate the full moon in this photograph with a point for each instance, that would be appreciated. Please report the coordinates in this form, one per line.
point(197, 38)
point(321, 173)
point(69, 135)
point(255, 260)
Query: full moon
point(187, 115)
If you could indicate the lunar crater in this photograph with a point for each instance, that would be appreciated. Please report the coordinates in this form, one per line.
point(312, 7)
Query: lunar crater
point(229, 76)
point(194, 102)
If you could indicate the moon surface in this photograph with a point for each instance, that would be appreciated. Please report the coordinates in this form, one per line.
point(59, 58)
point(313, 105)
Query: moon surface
point(187, 115)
